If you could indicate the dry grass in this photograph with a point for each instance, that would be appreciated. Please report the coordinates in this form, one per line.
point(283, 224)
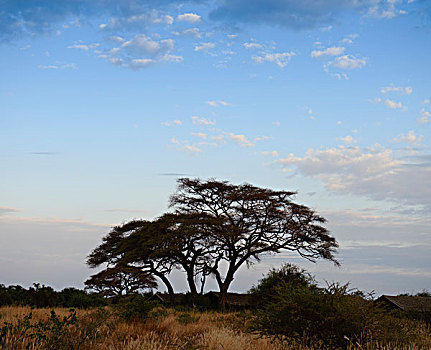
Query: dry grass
point(166, 330)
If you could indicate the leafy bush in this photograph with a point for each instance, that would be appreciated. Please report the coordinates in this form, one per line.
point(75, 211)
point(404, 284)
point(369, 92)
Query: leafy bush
point(134, 307)
point(292, 307)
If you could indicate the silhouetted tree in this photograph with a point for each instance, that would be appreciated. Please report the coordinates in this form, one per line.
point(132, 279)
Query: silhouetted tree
point(172, 241)
point(250, 221)
point(216, 228)
point(120, 280)
point(120, 246)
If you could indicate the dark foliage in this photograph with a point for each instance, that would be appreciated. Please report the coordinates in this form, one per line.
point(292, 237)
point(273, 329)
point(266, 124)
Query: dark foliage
point(44, 296)
point(216, 228)
point(120, 280)
point(293, 307)
point(135, 307)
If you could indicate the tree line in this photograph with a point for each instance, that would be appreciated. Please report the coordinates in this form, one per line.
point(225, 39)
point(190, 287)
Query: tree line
point(212, 228)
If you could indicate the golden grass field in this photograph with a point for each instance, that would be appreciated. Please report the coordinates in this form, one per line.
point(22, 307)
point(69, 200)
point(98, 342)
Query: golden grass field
point(166, 329)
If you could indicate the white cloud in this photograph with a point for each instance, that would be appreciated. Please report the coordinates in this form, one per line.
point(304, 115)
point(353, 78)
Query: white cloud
point(141, 52)
point(59, 66)
point(173, 122)
point(185, 146)
point(193, 32)
point(347, 140)
point(346, 41)
point(202, 121)
point(218, 138)
point(347, 62)
point(240, 139)
point(374, 172)
point(52, 66)
point(137, 21)
point(189, 17)
point(143, 45)
point(326, 29)
point(386, 9)
point(172, 58)
point(217, 103)
point(117, 39)
point(330, 51)
point(166, 19)
point(253, 45)
point(407, 90)
point(84, 47)
point(341, 76)
point(393, 104)
point(270, 153)
point(281, 59)
point(138, 63)
point(425, 117)
point(204, 46)
point(426, 102)
point(201, 135)
point(410, 137)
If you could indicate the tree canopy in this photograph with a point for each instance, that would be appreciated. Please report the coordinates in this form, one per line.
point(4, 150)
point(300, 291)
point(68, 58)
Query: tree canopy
point(214, 228)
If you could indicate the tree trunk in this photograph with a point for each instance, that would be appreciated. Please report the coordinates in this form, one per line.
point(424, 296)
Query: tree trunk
point(191, 282)
point(224, 287)
point(167, 284)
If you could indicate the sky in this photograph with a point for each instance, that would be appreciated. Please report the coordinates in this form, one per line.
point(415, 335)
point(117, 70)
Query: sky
point(104, 104)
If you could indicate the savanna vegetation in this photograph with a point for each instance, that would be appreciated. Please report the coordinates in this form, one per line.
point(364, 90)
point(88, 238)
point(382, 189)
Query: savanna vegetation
point(212, 229)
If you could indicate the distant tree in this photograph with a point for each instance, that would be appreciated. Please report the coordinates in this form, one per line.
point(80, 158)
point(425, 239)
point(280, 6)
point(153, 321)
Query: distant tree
point(249, 221)
point(120, 280)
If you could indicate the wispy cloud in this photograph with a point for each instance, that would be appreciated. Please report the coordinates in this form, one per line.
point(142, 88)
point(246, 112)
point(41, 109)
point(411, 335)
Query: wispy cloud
point(202, 121)
point(401, 90)
point(5, 210)
point(173, 122)
point(330, 51)
point(374, 172)
point(410, 138)
point(217, 103)
point(281, 59)
point(189, 17)
point(241, 139)
point(347, 62)
point(204, 46)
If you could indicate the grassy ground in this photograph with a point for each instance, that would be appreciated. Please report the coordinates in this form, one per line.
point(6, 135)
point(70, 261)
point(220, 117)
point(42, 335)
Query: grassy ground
point(165, 329)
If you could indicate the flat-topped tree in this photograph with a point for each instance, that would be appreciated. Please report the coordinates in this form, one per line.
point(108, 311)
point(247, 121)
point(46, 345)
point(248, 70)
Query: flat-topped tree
point(120, 280)
point(250, 221)
point(173, 241)
point(120, 247)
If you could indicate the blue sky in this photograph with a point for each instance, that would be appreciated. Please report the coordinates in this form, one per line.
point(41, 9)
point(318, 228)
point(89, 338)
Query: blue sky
point(103, 104)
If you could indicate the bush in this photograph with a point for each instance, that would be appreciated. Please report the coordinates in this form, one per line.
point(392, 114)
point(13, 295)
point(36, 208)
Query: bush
point(293, 307)
point(134, 307)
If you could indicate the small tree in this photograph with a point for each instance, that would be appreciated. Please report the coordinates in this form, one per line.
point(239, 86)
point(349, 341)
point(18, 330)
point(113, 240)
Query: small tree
point(121, 247)
point(124, 280)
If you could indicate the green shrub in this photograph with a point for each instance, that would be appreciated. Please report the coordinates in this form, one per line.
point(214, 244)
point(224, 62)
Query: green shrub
point(134, 307)
point(292, 307)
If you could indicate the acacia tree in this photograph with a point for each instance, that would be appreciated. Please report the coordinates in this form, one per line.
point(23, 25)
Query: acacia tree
point(215, 228)
point(250, 221)
point(120, 280)
point(173, 241)
point(119, 248)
